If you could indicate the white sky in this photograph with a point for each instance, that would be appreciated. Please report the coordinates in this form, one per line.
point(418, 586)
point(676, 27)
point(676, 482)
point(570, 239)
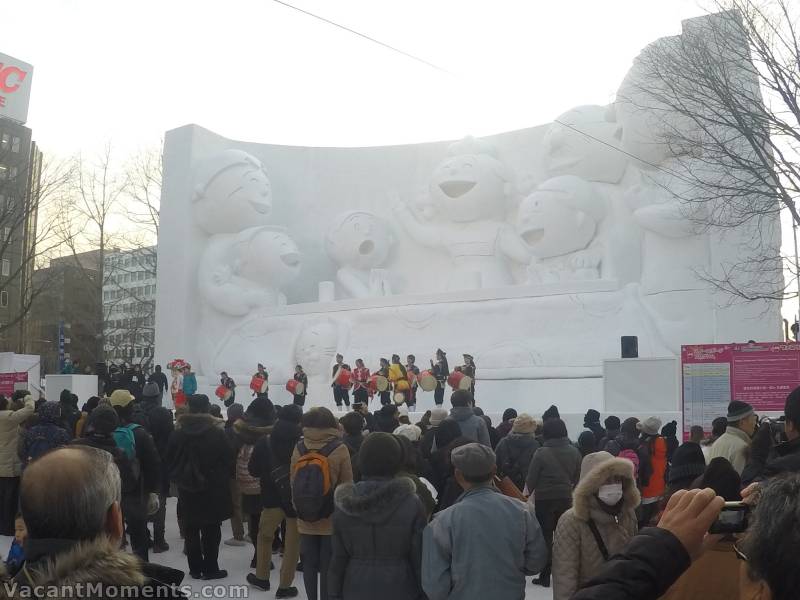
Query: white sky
point(256, 70)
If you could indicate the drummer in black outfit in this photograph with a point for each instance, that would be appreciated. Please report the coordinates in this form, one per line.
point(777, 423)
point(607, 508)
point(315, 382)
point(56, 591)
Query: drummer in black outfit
point(341, 393)
point(411, 398)
point(469, 370)
point(386, 396)
point(440, 370)
point(300, 375)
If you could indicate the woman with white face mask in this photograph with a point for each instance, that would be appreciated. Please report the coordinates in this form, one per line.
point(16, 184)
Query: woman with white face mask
point(600, 523)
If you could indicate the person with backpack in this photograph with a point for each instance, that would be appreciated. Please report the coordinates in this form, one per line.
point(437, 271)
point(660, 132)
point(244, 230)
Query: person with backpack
point(256, 424)
point(140, 449)
point(377, 529)
point(320, 462)
point(515, 450)
point(629, 446)
point(270, 462)
point(654, 486)
point(552, 475)
point(201, 463)
point(45, 435)
point(600, 523)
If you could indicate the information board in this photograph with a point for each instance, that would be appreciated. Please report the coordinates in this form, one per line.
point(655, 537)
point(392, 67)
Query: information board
point(714, 374)
point(9, 382)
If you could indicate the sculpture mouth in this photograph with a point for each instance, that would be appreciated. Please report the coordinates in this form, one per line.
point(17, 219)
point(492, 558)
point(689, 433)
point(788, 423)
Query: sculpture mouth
point(291, 259)
point(533, 236)
point(366, 247)
point(456, 189)
point(262, 208)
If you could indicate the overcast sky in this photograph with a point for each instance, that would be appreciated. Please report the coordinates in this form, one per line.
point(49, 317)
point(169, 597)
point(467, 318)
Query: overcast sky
point(257, 70)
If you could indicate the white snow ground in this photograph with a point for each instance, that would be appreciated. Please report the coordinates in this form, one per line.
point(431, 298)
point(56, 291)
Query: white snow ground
point(236, 560)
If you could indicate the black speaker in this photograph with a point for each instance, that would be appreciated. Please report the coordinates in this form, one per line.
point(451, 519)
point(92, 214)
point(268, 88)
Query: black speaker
point(630, 346)
point(101, 369)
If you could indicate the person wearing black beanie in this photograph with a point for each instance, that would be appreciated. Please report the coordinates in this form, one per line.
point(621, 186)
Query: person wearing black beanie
point(591, 420)
point(687, 464)
point(612, 424)
point(670, 433)
point(504, 428)
point(721, 477)
point(380, 512)
point(551, 413)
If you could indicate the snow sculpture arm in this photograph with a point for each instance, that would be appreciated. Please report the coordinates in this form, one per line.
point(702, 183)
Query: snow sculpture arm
point(422, 233)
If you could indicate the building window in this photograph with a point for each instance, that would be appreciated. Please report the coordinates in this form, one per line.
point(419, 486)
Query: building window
point(6, 233)
point(5, 141)
point(12, 173)
point(6, 267)
point(3, 172)
point(4, 298)
point(15, 144)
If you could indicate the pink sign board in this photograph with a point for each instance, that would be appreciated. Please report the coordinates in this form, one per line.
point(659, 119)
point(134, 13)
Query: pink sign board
point(9, 381)
point(714, 374)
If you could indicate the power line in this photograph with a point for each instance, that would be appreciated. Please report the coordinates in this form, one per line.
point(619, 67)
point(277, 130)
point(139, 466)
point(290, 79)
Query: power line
point(366, 37)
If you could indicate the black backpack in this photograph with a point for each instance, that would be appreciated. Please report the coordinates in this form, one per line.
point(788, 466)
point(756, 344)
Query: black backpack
point(186, 472)
point(280, 476)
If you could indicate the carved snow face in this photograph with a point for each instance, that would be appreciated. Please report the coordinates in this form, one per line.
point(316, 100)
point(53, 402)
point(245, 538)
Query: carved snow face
point(236, 198)
point(316, 346)
point(469, 187)
point(270, 257)
point(568, 152)
point(359, 239)
point(551, 226)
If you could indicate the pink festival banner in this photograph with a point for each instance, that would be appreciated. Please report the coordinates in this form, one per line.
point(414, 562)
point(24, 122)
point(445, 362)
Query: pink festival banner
point(9, 381)
point(714, 374)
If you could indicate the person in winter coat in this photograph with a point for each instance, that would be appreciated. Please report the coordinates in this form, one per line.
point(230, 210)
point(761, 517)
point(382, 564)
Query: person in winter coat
point(587, 443)
point(189, 382)
point(612, 425)
point(353, 425)
point(629, 445)
point(256, 424)
point(484, 545)
point(670, 434)
point(768, 458)
point(515, 451)
point(90, 405)
point(438, 414)
point(472, 426)
point(687, 465)
point(413, 467)
point(494, 439)
point(718, 427)
point(715, 575)
point(138, 444)
point(654, 487)
point(377, 529)
point(160, 380)
point(386, 418)
point(45, 435)
point(10, 465)
point(504, 428)
point(591, 421)
point(735, 442)
point(270, 463)
point(600, 523)
point(552, 475)
point(201, 464)
point(320, 431)
point(69, 411)
point(656, 557)
point(448, 437)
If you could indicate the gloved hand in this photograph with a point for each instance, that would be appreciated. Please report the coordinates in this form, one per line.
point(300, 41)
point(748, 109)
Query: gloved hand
point(153, 504)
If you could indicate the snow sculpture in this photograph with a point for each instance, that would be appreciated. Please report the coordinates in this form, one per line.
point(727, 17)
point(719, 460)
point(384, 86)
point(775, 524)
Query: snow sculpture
point(470, 189)
point(359, 242)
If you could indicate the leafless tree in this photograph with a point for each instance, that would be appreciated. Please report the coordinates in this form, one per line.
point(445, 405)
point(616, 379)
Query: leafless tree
point(725, 101)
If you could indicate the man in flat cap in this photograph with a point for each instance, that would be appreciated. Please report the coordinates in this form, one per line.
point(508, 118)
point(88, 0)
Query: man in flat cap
point(484, 529)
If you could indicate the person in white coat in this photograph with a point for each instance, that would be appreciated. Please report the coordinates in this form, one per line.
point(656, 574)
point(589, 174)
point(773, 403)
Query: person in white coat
point(734, 444)
point(10, 465)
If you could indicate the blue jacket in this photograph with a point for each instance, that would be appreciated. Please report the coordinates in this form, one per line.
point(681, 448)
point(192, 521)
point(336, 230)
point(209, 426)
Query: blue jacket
point(16, 557)
point(189, 384)
point(481, 547)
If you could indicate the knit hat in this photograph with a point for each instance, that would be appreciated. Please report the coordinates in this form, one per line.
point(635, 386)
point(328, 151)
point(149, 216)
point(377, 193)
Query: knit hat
point(291, 413)
point(591, 416)
point(524, 423)
point(509, 413)
point(121, 398)
point(649, 426)
point(102, 420)
point(551, 413)
point(590, 461)
point(380, 455)
point(738, 410)
point(151, 390)
point(670, 429)
point(198, 403)
point(721, 477)
point(411, 432)
point(438, 415)
point(687, 463)
point(235, 411)
point(587, 442)
point(473, 460)
point(49, 412)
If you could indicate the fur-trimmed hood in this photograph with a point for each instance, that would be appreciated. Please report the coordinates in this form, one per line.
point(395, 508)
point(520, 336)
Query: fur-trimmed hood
point(584, 503)
point(249, 431)
point(373, 500)
point(198, 423)
point(93, 561)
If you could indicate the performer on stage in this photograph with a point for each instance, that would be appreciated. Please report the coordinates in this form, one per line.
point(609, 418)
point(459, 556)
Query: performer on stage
point(399, 378)
point(341, 393)
point(468, 368)
point(360, 383)
point(229, 384)
point(300, 375)
point(386, 396)
point(440, 370)
point(261, 373)
point(413, 371)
